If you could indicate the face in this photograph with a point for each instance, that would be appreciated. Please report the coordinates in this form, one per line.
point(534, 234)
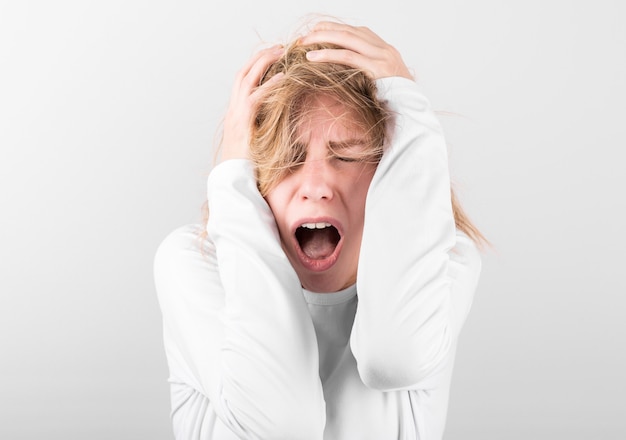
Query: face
point(319, 207)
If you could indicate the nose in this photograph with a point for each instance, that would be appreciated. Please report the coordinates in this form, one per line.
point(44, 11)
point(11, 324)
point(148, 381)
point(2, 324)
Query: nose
point(316, 181)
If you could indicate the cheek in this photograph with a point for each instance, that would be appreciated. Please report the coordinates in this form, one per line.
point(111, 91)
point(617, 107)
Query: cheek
point(359, 187)
point(277, 201)
point(362, 183)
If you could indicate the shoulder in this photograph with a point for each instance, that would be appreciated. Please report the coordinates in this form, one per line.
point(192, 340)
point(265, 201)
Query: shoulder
point(184, 259)
point(183, 243)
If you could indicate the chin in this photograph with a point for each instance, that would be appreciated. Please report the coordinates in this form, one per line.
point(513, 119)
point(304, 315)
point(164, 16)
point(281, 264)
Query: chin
point(325, 282)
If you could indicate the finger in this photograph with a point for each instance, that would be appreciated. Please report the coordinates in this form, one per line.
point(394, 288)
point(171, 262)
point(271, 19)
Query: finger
point(255, 96)
point(346, 40)
point(253, 78)
point(339, 33)
point(386, 63)
point(345, 57)
point(259, 62)
point(336, 26)
point(267, 85)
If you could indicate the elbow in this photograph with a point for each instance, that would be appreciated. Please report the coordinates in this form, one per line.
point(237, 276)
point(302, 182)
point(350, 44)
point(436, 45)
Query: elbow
point(390, 367)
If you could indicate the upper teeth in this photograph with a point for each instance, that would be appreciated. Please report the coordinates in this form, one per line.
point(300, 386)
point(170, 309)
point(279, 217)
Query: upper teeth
point(320, 225)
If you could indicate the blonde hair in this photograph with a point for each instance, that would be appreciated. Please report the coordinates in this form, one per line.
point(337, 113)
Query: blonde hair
point(275, 148)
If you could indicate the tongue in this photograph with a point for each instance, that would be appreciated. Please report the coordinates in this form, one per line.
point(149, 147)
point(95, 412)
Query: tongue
point(318, 244)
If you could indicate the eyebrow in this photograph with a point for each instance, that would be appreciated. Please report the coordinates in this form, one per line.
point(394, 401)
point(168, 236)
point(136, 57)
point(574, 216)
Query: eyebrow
point(346, 144)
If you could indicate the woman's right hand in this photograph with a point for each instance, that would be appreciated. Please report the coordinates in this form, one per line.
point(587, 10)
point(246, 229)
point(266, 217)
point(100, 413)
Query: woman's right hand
point(359, 48)
point(244, 102)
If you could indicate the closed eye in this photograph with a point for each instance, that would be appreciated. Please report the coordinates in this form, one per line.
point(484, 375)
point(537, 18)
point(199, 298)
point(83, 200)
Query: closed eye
point(346, 159)
point(348, 151)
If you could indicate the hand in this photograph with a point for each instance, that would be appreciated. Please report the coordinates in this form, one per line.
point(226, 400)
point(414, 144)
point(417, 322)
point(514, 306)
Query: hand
point(361, 49)
point(244, 102)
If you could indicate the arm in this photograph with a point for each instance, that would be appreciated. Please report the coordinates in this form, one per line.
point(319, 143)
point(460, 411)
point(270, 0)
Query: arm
point(416, 274)
point(269, 356)
point(412, 306)
point(237, 328)
point(236, 325)
point(405, 326)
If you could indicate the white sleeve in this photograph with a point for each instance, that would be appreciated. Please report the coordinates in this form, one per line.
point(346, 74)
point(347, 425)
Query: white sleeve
point(417, 274)
point(236, 325)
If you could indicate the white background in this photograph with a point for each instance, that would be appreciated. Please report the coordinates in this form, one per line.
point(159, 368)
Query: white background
point(108, 113)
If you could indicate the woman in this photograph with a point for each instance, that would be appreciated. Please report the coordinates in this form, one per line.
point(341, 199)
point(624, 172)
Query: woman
point(334, 163)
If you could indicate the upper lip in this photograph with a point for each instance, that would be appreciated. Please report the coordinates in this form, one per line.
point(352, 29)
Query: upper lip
point(333, 221)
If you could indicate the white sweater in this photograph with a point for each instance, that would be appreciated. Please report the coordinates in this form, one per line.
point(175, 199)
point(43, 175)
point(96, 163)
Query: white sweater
point(253, 356)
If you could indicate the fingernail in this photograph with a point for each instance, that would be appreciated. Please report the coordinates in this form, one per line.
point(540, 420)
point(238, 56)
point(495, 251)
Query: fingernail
point(312, 55)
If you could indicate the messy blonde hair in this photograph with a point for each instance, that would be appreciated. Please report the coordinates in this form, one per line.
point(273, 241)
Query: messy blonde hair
point(275, 147)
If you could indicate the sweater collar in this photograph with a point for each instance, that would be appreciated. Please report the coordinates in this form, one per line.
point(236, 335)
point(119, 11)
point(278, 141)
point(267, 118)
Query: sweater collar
point(329, 299)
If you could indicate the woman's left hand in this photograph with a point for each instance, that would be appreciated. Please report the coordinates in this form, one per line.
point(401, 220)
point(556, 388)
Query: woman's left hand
point(361, 48)
point(244, 101)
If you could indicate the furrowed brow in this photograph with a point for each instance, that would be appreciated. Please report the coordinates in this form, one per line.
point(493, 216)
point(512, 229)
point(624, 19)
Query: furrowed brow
point(346, 144)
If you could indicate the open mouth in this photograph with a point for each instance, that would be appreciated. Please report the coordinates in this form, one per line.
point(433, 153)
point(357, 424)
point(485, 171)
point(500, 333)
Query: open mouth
point(318, 241)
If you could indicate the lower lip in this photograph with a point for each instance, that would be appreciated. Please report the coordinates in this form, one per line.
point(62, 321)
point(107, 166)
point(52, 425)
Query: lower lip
point(320, 265)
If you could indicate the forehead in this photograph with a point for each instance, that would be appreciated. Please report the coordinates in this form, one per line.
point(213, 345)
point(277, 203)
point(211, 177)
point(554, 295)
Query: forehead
point(324, 114)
